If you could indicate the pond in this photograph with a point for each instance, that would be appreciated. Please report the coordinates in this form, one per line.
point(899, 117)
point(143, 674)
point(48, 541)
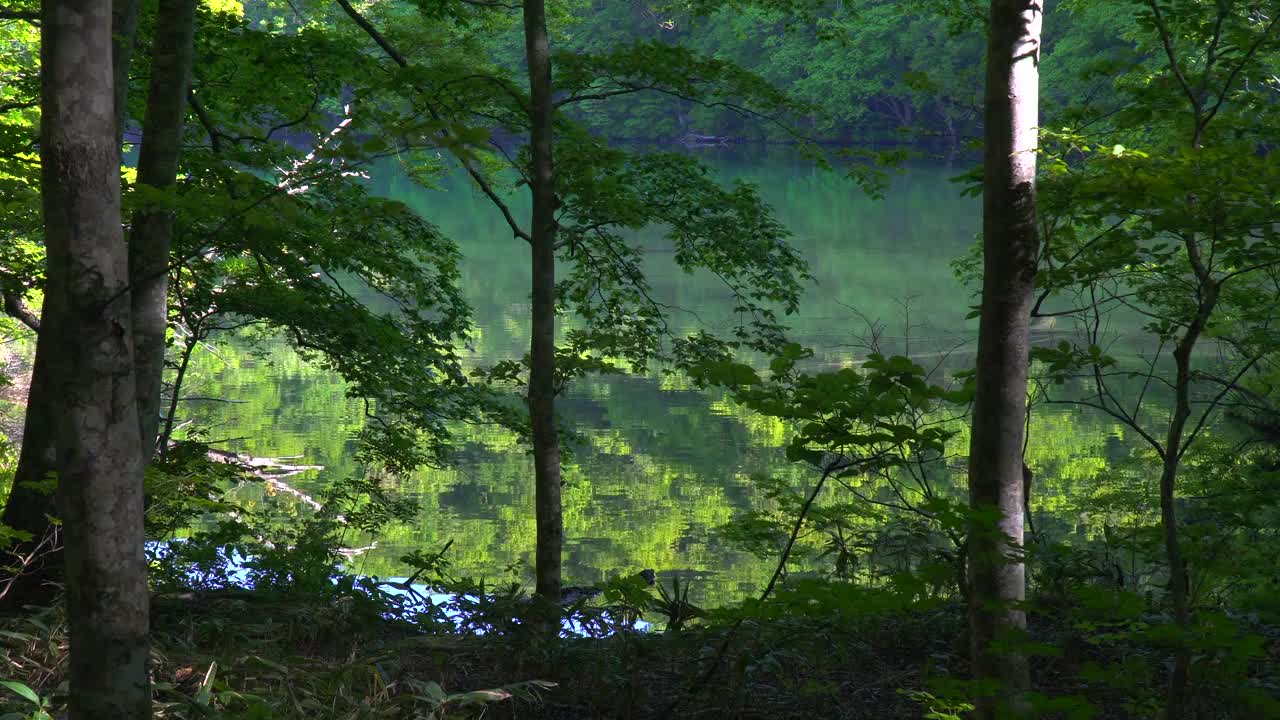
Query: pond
point(661, 467)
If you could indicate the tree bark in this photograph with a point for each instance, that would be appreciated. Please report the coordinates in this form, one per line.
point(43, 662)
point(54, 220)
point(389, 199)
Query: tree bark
point(28, 509)
point(124, 30)
point(90, 371)
point(1010, 249)
point(1179, 582)
point(542, 358)
point(152, 233)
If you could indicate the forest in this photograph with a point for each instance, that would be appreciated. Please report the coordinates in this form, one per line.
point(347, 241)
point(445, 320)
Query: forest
point(431, 359)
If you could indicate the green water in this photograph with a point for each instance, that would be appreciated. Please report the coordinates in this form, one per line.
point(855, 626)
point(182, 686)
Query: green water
point(663, 466)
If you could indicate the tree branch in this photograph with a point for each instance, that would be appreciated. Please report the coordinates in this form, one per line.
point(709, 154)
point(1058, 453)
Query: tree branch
point(400, 60)
point(1167, 41)
point(16, 308)
point(23, 105)
point(1235, 72)
point(1227, 386)
point(31, 16)
point(215, 137)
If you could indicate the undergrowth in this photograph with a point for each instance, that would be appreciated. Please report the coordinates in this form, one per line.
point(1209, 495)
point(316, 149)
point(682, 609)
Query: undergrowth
point(254, 619)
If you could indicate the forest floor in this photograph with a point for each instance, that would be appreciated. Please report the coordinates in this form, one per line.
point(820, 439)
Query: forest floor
point(248, 655)
point(251, 655)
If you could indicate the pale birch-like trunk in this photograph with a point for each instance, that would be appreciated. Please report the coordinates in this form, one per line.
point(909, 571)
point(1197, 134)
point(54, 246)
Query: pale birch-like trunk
point(997, 580)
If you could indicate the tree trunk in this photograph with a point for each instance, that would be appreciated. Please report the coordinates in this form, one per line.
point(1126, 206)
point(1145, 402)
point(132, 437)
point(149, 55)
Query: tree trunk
point(1179, 677)
point(124, 28)
point(171, 414)
point(542, 357)
point(90, 371)
point(152, 231)
point(1010, 249)
point(27, 508)
point(1179, 583)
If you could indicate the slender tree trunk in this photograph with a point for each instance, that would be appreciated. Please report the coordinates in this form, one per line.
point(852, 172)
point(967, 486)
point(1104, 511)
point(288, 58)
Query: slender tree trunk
point(542, 357)
point(542, 240)
point(1010, 248)
point(90, 374)
point(1179, 583)
point(124, 30)
point(28, 508)
point(1176, 695)
point(188, 348)
point(152, 232)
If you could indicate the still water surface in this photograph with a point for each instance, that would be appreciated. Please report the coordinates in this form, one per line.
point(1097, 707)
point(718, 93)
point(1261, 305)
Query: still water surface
point(662, 466)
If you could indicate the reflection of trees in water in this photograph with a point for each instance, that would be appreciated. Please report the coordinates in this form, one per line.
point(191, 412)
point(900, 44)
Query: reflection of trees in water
point(659, 472)
point(661, 466)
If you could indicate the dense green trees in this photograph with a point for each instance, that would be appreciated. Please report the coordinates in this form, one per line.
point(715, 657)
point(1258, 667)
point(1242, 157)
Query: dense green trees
point(591, 195)
point(1166, 220)
point(867, 69)
point(252, 213)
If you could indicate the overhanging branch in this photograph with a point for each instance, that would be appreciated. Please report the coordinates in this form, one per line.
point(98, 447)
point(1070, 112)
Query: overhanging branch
point(400, 60)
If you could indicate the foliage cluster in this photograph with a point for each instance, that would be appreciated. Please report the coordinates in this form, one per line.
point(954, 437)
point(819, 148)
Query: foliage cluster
point(1159, 212)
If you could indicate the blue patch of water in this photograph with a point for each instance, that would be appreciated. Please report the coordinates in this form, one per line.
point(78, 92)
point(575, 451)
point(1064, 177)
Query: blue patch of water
point(408, 600)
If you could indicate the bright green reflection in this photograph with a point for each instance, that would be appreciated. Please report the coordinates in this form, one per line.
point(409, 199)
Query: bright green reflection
point(662, 466)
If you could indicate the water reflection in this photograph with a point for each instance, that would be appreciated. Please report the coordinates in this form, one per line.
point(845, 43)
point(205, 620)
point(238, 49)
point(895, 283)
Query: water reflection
point(658, 467)
point(418, 603)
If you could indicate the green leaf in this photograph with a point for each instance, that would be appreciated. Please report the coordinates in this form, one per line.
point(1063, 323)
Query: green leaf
point(23, 691)
point(205, 694)
point(798, 453)
point(434, 692)
point(476, 697)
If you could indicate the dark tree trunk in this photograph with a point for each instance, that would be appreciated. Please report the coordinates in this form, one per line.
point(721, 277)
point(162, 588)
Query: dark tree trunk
point(542, 350)
point(1179, 582)
point(90, 372)
point(1179, 586)
point(171, 413)
point(27, 508)
point(124, 28)
point(152, 232)
point(1010, 248)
